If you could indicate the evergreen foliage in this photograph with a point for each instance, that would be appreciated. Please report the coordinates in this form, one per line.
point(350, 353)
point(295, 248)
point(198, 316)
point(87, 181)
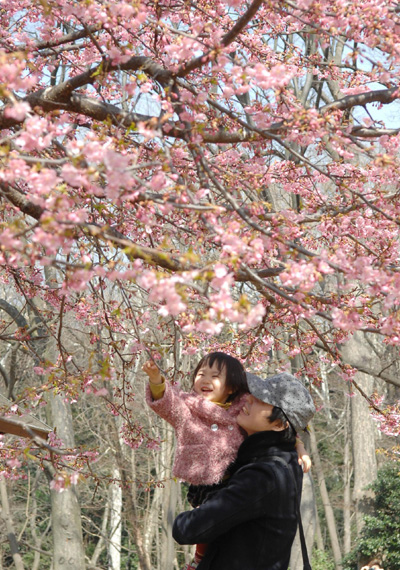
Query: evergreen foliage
point(321, 560)
point(381, 533)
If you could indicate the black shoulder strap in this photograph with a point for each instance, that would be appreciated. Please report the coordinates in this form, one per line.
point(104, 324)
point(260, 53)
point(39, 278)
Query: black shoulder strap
point(306, 561)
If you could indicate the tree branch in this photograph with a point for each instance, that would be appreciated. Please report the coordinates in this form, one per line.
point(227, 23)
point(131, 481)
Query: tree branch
point(152, 256)
point(67, 38)
point(360, 368)
point(369, 133)
point(82, 105)
point(227, 39)
point(20, 201)
point(63, 90)
point(361, 99)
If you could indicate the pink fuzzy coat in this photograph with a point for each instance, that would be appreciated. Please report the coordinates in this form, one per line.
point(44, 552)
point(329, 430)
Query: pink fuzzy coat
point(207, 436)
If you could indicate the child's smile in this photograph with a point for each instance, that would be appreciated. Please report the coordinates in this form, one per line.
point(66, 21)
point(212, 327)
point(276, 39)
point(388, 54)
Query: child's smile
point(210, 383)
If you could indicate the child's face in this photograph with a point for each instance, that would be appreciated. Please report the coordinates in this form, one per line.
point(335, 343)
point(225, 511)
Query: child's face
point(210, 383)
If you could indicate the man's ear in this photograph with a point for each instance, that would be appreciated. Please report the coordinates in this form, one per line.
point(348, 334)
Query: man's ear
point(279, 425)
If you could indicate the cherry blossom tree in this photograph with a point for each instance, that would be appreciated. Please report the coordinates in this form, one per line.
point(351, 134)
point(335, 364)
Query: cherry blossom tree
point(178, 176)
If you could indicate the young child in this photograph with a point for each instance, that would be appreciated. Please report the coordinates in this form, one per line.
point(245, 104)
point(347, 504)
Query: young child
point(204, 420)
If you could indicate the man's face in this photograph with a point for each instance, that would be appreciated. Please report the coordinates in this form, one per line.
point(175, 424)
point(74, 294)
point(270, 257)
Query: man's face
point(254, 417)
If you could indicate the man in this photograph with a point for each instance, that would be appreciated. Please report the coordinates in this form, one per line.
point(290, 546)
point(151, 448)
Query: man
point(251, 523)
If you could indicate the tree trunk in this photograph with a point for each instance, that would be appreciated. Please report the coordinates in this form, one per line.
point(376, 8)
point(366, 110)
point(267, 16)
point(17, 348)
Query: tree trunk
point(318, 534)
point(100, 543)
point(131, 509)
point(364, 457)
point(358, 351)
point(6, 516)
point(330, 519)
point(308, 518)
point(170, 497)
point(68, 551)
point(115, 523)
point(132, 516)
point(67, 531)
point(65, 510)
point(347, 473)
point(37, 536)
point(151, 522)
point(171, 490)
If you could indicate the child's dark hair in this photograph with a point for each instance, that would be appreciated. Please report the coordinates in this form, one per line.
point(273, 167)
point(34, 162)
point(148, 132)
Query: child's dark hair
point(287, 434)
point(235, 375)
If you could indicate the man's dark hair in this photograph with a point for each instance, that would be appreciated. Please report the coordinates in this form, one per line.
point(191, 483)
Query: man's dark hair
point(288, 434)
point(235, 375)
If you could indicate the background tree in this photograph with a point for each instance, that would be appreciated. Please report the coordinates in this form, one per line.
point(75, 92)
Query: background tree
point(177, 177)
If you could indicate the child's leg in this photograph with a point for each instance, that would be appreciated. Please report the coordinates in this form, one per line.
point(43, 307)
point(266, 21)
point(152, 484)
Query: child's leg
point(200, 552)
point(198, 556)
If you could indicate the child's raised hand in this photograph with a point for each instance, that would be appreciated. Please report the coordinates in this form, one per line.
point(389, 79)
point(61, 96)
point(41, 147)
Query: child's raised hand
point(152, 372)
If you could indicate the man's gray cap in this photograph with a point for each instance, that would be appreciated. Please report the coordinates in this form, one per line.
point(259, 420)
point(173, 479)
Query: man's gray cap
point(286, 392)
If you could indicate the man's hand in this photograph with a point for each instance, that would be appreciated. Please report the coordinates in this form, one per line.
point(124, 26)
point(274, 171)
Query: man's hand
point(152, 372)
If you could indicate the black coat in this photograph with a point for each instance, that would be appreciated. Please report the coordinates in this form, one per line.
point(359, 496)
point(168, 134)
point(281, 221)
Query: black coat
point(251, 523)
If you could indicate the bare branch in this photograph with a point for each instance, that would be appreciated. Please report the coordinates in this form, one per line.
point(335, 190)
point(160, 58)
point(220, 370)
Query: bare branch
point(361, 99)
point(369, 133)
point(20, 201)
